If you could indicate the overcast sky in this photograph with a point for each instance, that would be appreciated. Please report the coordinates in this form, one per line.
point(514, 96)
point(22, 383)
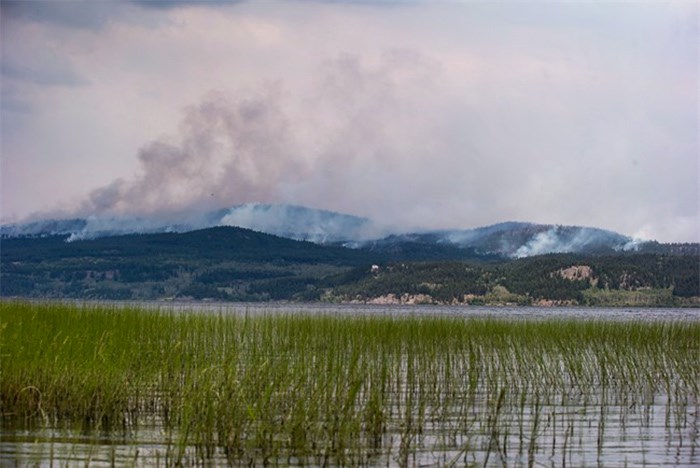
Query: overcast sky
point(421, 113)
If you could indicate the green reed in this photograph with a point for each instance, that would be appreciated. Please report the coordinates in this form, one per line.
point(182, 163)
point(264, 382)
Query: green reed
point(282, 388)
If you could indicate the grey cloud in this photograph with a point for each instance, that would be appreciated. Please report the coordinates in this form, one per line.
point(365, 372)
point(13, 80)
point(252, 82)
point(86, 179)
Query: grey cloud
point(385, 3)
point(49, 72)
point(81, 14)
point(579, 115)
point(16, 105)
point(13, 100)
point(93, 14)
point(169, 4)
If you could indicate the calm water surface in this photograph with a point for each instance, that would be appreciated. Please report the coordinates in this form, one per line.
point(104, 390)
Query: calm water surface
point(504, 312)
point(571, 430)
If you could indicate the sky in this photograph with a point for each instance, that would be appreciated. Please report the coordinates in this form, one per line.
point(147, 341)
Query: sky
point(422, 114)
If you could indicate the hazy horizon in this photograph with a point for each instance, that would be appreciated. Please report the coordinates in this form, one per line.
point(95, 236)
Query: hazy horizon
point(428, 114)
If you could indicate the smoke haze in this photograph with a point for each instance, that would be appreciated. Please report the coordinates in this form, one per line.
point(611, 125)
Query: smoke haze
point(228, 151)
point(418, 115)
point(357, 135)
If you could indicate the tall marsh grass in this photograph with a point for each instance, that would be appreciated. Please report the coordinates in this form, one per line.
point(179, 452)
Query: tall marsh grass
point(323, 389)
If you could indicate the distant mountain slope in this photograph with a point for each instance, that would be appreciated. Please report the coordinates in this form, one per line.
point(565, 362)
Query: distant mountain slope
point(216, 263)
point(293, 222)
point(236, 264)
point(42, 228)
point(93, 227)
point(509, 239)
point(224, 243)
point(516, 240)
point(301, 223)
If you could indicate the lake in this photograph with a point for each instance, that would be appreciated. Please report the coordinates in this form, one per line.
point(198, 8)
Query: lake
point(505, 312)
point(505, 386)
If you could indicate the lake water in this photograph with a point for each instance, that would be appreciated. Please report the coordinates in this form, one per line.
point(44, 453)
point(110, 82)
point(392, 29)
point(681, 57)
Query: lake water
point(600, 429)
point(567, 435)
point(505, 312)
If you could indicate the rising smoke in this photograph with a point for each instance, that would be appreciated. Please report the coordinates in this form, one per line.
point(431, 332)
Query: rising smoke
point(230, 150)
point(339, 145)
point(393, 138)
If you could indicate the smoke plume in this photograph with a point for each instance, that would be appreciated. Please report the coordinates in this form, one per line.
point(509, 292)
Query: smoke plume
point(230, 150)
point(337, 145)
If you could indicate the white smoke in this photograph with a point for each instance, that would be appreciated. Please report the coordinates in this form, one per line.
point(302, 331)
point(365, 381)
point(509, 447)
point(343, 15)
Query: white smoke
point(338, 144)
point(294, 222)
point(230, 150)
point(302, 223)
point(543, 242)
point(633, 245)
point(562, 239)
point(102, 226)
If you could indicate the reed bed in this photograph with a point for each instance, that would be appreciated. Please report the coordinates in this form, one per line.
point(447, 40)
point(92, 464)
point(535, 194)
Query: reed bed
point(353, 390)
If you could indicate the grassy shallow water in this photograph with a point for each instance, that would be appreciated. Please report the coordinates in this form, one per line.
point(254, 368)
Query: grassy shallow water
point(168, 388)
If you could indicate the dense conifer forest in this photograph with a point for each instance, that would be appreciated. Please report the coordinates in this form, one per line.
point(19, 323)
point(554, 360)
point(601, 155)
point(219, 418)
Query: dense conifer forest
point(234, 264)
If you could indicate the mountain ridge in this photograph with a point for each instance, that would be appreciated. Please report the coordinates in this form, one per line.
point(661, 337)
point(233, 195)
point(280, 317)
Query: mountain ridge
point(236, 264)
point(512, 239)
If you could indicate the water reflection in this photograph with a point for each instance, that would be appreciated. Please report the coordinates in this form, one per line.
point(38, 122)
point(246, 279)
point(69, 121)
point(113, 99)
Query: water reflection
point(556, 431)
point(454, 421)
point(505, 312)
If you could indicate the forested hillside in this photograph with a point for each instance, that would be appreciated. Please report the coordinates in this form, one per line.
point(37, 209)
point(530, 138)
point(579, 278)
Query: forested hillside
point(644, 279)
point(235, 264)
point(219, 263)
